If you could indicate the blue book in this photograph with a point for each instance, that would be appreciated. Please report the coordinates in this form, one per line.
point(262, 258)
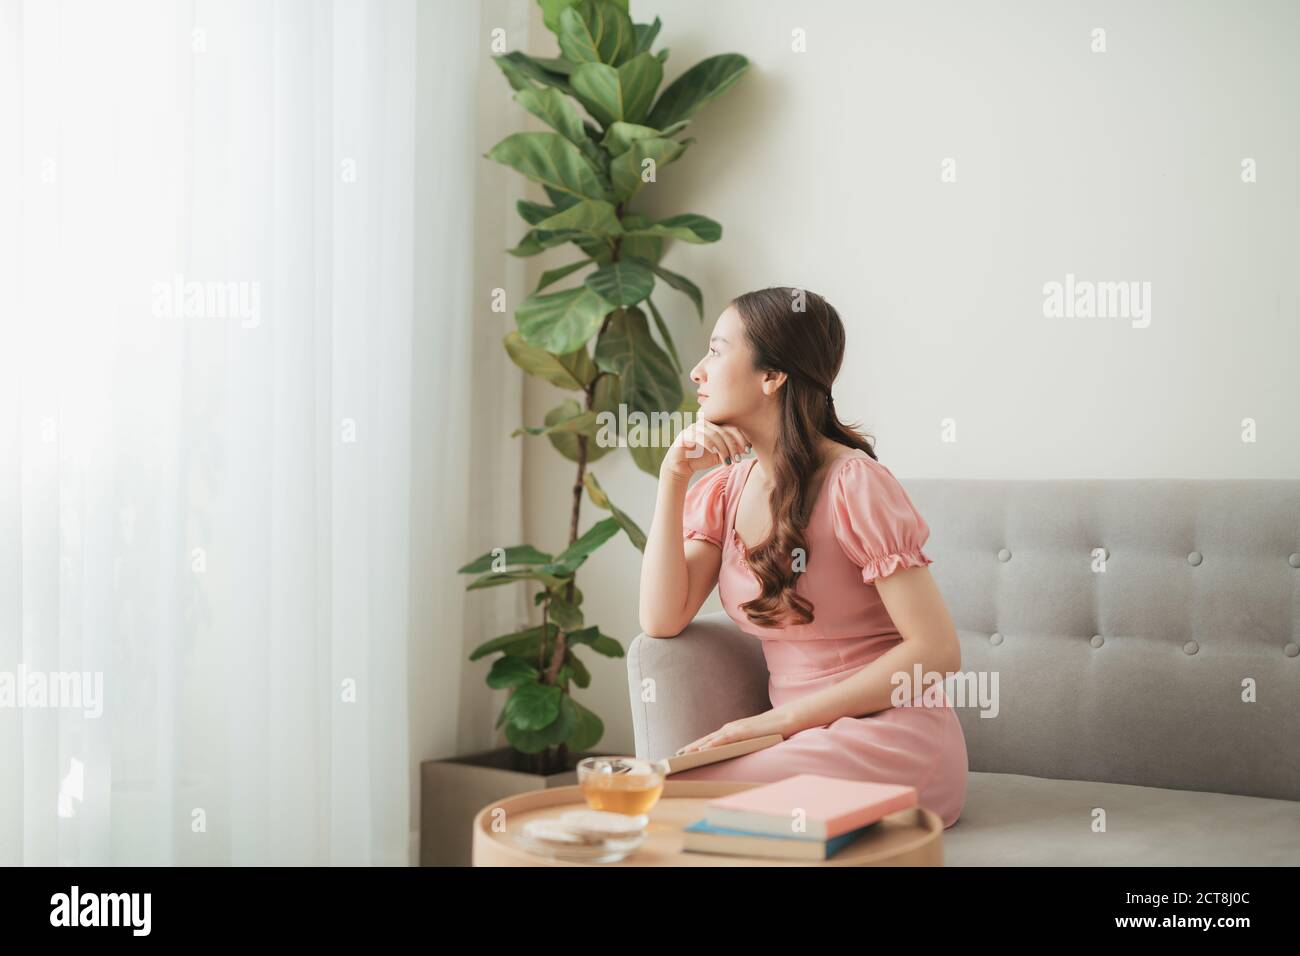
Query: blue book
point(703, 837)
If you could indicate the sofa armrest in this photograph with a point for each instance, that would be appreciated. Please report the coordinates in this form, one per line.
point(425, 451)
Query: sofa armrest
point(686, 686)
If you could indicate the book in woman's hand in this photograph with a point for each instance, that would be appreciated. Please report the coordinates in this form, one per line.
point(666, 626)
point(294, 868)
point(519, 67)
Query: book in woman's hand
point(737, 748)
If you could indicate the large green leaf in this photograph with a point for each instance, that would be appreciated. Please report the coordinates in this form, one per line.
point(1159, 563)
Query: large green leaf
point(534, 212)
point(649, 382)
point(557, 420)
point(522, 71)
point(663, 334)
point(678, 282)
point(558, 112)
point(555, 275)
point(567, 616)
point(539, 240)
point(519, 554)
point(528, 245)
point(605, 400)
point(645, 35)
point(509, 642)
point(597, 248)
point(649, 457)
point(593, 538)
point(533, 706)
point(627, 171)
point(644, 248)
point(551, 10)
point(542, 596)
point(689, 226)
point(553, 734)
point(594, 216)
point(556, 64)
point(572, 371)
point(561, 200)
point(561, 322)
point(587, 729)
point(595, 32)
point(622, 283)
point(697, 86)
point(510, 672)
point(550, 159)
point(601, 500)
point(624, 93)
point(545, 575)
point(620, 136)
point(575, 669)
point(598, 642)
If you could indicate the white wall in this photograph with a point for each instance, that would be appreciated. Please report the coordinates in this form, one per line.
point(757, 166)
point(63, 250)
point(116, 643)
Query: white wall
point(824, 169)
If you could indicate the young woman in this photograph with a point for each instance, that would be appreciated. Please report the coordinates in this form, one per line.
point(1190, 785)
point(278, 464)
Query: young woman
point(816, 551)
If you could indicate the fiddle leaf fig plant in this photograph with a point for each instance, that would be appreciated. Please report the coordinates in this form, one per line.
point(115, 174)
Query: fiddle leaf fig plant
point(585, 330)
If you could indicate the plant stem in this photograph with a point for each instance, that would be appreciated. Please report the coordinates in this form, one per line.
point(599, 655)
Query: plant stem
point(541, 645)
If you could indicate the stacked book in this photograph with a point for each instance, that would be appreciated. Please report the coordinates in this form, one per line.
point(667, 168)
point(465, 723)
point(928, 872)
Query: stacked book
point(805, 817)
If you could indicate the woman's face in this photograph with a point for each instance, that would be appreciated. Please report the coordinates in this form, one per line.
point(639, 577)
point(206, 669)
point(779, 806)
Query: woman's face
point(730, 388)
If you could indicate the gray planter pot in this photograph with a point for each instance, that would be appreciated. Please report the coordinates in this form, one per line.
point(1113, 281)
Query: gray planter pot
point(454, 789)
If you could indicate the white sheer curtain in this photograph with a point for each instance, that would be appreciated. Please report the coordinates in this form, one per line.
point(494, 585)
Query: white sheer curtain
point(213, 362)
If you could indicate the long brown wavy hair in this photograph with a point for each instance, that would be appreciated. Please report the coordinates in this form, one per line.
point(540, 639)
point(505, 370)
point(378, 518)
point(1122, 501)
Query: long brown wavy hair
point(797, 332)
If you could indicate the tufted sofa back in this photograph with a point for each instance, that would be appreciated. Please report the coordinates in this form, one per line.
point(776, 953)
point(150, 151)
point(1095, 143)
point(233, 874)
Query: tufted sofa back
point(1142, 631)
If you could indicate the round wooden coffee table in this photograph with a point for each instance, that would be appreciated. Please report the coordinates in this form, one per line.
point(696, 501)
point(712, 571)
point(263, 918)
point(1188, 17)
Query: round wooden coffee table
point(906, 838)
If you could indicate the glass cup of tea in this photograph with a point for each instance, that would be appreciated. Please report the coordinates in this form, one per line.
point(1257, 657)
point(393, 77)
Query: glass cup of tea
point(627, 785)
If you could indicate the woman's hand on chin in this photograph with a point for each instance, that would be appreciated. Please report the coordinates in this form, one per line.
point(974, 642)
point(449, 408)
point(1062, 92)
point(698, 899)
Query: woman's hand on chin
point(702, 445)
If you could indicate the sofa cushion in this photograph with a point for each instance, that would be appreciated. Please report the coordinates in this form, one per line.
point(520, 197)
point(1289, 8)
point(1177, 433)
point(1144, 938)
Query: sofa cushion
point(1139, 631)
point(1017, 820)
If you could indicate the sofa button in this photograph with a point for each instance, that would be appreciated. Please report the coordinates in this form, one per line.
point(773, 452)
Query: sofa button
point(1191, 647)
point(1004, 555)
point(1097, 640)
point(995, 638)
point(1292, 649)
point(1294, 560)
point(1194, 558)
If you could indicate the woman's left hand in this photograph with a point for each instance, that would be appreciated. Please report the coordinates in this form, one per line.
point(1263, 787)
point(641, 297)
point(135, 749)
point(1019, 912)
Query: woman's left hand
point(769, 722)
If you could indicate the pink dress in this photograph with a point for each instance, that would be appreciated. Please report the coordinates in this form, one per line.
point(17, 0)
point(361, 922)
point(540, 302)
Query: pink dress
point(863, 526)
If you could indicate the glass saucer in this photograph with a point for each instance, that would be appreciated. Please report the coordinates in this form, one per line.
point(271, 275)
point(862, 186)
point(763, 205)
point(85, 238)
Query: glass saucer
point(607, 851)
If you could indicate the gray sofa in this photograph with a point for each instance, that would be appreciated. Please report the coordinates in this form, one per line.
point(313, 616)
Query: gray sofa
point(1121, 689)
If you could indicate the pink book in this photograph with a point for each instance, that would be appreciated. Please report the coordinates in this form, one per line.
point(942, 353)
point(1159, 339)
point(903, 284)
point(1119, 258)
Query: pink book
point(809, 806)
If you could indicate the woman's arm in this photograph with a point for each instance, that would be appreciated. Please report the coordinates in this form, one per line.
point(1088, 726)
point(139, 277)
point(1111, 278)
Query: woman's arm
point(913, 601)
point(677, 576)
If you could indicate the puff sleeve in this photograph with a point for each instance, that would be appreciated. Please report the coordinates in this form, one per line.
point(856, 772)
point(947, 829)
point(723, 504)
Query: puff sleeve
point(704, 514)
point(875, 522)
